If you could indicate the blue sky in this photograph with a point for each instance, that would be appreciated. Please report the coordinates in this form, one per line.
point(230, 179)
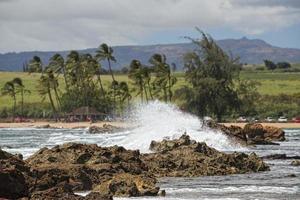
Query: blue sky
point(27, 25)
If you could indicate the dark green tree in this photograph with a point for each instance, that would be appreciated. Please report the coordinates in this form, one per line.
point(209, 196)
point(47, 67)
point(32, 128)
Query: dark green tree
point(270, 65)
point(35, 65)
point(210, 73)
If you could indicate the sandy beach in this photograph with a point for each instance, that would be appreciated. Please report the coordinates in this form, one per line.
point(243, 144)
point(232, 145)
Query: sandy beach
point(116, 123)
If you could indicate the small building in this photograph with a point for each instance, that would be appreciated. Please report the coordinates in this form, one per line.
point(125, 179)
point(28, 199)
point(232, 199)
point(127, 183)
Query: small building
point(85, 113)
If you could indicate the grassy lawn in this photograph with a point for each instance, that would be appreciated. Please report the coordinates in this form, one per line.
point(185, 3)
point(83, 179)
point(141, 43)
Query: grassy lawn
point(271, 83)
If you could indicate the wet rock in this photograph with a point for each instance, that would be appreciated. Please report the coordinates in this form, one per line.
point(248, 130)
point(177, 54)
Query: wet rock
point(13, 175)
point(129, 185)
point(251, 134)
point(295, 163)
point(187, 158)
point(83, 166)
point(106, 128)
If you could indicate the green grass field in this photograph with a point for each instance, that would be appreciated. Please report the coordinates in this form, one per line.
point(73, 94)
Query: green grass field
point(272, 83)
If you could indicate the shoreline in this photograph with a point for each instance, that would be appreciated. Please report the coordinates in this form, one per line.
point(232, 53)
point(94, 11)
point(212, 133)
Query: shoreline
point(64, 125)
point(275, 124)
point(73, 125)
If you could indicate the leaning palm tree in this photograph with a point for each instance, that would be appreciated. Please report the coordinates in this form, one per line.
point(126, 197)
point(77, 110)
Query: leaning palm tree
point(104, 52)
point(57, 64)
point(124, 93)
point(136, 75)
point(44, 89)
point(9, 90)
point(164, 79)
point(20, 89)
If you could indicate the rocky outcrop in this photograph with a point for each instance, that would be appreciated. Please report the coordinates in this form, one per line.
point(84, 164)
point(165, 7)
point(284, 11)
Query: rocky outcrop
point(295, 163)
point(129, 185)
point(13, 175)
point(83, 165)
point(106, 128)
point(114, 171)
point(187, 158)
point(251, 134)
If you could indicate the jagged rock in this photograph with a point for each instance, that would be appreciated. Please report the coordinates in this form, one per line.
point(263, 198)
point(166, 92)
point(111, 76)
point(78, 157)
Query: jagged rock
point(83, 165)
point(64, 192)
point(13, 175)
point(188, 158)
point(295, 163)
point(106, 128)
point(274, 134)
point(129, 185)
point(251, 134)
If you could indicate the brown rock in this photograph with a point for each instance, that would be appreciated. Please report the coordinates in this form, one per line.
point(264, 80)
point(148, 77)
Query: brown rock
point(295, 163)
point(274, 133)
point(13, 174)
point(188, 158)
point(106, 128)
point(129, 185)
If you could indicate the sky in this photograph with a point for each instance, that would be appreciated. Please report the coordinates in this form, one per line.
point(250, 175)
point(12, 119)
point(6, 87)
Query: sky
point(27, 25)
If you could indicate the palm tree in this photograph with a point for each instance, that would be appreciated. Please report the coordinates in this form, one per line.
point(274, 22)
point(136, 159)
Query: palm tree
point(20, 89)
point(124, 93)
point(35, 65)
point(9, 89)
point(136, 75)
point(105, 52)
point(164, 79)
point(57, 64)
point(44, 88)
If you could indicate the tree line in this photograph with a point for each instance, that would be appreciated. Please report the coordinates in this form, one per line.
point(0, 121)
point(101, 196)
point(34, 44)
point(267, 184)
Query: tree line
point(213, 88)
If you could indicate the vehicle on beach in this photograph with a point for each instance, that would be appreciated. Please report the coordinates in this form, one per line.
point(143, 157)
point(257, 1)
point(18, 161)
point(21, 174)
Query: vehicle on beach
point(296, 120)
point(282, 119)
point(270, 119)
point(241, 119)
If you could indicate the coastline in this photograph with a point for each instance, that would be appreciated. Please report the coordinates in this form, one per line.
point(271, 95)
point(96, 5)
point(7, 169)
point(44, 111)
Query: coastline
point(65, 125)
point(73, 125)
point(275, 124)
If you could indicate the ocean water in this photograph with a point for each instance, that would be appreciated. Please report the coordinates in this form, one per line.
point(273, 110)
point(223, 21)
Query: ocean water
point(155, 121)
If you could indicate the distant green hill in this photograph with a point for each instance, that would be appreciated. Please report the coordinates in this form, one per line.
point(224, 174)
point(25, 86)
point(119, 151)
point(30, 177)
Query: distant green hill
point(251, 51)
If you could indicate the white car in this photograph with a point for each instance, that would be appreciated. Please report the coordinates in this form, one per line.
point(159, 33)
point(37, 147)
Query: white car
point(241, 119)
point(269, 119)
point(282, 119)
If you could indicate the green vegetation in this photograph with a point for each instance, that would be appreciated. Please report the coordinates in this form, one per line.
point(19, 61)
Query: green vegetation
point(213, 84)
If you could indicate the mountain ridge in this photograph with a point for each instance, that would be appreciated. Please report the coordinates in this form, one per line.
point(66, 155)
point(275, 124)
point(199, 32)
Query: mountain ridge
point(251, 51)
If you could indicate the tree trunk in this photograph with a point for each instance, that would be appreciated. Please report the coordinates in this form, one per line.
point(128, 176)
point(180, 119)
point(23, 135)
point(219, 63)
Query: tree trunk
point(111, 72)
point(150, 91)
point(22, 102)
point(65, 77)
point(14, 108)
point(52, 103)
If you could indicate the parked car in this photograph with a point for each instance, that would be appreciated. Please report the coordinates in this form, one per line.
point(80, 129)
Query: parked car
point(241, 119)
point(282, 119)
point(296, 119)
point(270, 119)
point(254, 119)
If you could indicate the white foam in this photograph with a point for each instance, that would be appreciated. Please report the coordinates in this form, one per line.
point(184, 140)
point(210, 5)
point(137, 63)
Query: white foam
point(156, 120)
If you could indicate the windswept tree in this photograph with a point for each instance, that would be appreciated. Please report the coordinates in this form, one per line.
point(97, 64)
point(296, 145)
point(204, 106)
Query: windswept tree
point(104, 52)
point(20, 88)
point(35, 65)
point(136, 74)
point(57, 65)
point(47, 83)
point(210, 73)
point(164, 79)
point(10, 90)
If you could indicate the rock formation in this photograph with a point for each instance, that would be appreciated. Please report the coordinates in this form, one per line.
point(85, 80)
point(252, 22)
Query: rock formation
point(251, 134)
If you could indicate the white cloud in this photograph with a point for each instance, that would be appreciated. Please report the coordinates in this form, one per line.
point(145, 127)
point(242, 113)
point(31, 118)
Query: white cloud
point(73, 24)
